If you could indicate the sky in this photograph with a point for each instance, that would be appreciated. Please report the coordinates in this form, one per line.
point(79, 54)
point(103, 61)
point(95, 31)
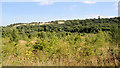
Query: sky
point(57, 0)
point(26, 12)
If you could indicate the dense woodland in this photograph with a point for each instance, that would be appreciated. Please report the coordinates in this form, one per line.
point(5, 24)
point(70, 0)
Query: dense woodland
point(73, 43)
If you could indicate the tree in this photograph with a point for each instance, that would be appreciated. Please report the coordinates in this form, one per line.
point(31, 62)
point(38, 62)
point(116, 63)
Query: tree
point(14, 35)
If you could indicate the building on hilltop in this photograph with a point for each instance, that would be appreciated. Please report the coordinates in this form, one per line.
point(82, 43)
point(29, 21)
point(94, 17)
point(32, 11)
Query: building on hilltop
point(98, 17)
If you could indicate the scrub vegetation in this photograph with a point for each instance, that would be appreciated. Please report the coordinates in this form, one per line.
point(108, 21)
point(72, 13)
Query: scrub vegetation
point(90, 42)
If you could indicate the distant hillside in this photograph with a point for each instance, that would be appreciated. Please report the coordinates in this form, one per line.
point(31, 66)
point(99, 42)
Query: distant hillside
point(37, 23)
point(80, 26)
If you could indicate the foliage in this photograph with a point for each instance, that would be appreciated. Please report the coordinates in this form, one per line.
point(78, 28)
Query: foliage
point(76, 42)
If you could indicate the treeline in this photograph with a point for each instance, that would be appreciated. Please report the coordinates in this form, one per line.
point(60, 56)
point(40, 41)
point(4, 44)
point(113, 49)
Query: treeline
point(72, 26)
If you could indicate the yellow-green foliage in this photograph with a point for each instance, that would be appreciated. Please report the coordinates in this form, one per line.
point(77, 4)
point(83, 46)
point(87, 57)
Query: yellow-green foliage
point(73, 49)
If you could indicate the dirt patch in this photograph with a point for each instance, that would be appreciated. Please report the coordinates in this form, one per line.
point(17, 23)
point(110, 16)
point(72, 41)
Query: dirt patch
point(22, 42)
point(33, 42)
